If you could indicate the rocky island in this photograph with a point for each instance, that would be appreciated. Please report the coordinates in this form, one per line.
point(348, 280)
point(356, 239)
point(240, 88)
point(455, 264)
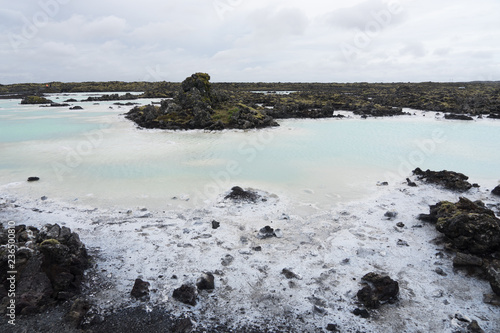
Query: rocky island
point(198, 106)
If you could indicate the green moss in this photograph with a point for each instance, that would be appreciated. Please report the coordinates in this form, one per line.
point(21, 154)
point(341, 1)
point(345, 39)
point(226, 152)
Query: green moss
point(50, 241)
point(174, 117)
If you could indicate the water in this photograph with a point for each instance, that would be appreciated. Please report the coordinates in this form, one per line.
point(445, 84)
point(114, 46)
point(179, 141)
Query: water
point(97, 157)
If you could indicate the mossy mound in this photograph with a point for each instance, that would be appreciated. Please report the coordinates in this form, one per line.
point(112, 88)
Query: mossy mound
point(36, 100)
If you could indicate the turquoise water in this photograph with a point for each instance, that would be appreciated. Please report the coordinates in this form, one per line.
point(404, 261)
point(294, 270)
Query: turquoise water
point(97, 157)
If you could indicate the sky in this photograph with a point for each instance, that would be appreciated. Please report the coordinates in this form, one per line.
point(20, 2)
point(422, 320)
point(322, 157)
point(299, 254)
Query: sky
point(250, 40)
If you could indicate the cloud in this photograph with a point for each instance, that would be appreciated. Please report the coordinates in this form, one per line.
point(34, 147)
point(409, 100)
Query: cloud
point(366, 13)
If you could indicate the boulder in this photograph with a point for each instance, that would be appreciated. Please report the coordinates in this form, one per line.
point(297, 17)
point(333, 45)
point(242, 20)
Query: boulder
point(33, 179)
point(470, 226)
point(448, 179)
point(186, 294)
point(206, 282)
point(140, 290)
point(496, 191)
point(379, 289)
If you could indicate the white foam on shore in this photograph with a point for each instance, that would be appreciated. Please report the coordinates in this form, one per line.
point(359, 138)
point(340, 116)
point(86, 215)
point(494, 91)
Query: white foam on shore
point(330, 250)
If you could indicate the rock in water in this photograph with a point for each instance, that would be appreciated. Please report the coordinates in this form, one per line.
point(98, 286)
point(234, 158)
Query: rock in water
point(186, 294)
point(33, 179)
point(379, 289)
point(140, 289)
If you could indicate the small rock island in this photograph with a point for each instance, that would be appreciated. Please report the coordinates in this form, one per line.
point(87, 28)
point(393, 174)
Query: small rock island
point(198, 106)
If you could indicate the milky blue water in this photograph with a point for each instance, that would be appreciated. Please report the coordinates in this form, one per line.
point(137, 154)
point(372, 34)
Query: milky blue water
point(96, 156)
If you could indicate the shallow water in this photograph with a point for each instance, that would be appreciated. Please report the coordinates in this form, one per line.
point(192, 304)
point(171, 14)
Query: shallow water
point(97, 157)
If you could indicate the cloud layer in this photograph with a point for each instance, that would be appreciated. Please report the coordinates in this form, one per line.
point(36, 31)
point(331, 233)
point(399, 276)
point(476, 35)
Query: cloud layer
point(242, 40)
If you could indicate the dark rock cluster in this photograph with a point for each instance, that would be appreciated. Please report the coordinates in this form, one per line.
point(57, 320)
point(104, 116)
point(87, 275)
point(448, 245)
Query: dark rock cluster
point(379, 289)
point(49, 266)
point(474, 232)
point(239, 194)
point(450, 180)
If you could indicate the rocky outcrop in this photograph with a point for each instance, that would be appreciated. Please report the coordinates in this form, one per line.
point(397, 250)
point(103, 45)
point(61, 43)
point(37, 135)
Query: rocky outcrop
point(197, 106)
point(49, 266)
point(35, 100)
point(448, 179)
point(470, 226)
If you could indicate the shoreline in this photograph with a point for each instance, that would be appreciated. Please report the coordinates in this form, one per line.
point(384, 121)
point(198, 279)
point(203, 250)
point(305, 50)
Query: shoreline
point(329, 252)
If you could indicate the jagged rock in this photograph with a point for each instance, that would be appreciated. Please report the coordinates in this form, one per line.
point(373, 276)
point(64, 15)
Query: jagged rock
point(379, 289)
point(186, 294)
point(215, 224)
point(50, 265)
point(140, 289)
point(206, 282)
point(239, 194)
point(76, 107)
point(496, 190)
point(470, 226)
point(448, 179)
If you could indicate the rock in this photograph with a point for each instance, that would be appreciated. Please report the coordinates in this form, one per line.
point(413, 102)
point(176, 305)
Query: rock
point(361, 313)
point(391, 215)
point(493, 275)
point(186, 294)
point(140, 290)
point(402, 243)
point(184, 325)
point(410, 183)
point(33, 179)
point(474, 327)
point(448, 179)
point(463, 259)
point(215, 224)
point(206, 282)
point(35, 100)
point(379, 289)
point(77, 312)
point(227, 260)
point(496, 190)
point(382, 184)
point(290, 275)
point(440, 271)
point(268, 232)
point(43, 198)
point(457, 116)
point(470, 226)
point(400, 225)
point(76, 107)
point(50, 265)
point(332, 328)
point(239, 194)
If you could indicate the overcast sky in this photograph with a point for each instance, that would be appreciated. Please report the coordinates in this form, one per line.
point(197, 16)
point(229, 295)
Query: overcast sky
point(250, 40)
